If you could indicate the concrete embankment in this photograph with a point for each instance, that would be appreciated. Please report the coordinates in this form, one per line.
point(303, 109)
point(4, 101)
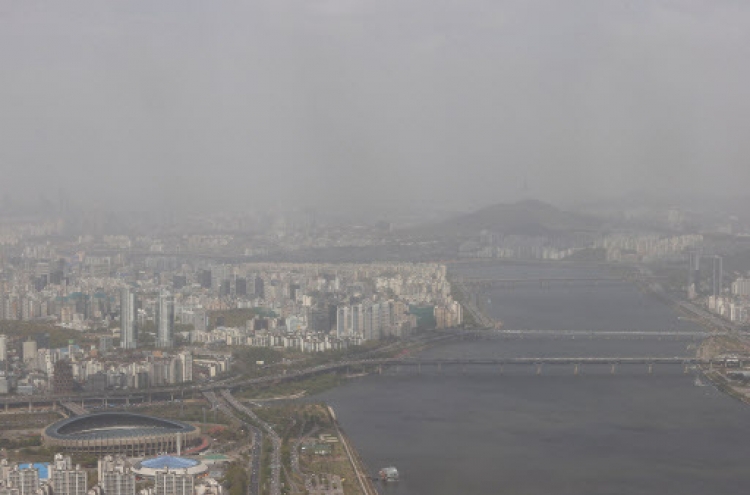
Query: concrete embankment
point(360, 469)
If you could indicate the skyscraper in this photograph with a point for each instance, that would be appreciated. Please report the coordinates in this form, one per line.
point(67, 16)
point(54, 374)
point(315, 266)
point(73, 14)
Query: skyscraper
point(3, 348)
point(258, 288)
point(128, 336)
point(164, 337)
point(240, 286)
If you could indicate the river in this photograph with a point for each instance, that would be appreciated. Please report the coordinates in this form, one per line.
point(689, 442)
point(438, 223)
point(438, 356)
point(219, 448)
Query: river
point(483, 432)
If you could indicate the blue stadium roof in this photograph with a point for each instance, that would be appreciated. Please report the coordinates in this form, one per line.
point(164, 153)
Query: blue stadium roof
point(168, 461)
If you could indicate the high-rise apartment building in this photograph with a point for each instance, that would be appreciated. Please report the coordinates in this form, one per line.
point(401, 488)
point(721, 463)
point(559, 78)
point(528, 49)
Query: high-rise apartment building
point(343, 321)
point(128, 336)
point(116, 476)
point(173, 483)
point(30, 357)
point(25, 480)
point(65, 478)
point(165, 329)
point(186, 361)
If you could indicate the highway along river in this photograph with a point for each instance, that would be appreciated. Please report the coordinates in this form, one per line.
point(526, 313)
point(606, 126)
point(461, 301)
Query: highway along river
point(477, 431)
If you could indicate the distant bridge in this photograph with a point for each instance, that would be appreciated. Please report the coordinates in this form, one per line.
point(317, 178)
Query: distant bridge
point(549, 360)
point(126, 397)
point(601, 334)
point(547, 281)
point(539, 362)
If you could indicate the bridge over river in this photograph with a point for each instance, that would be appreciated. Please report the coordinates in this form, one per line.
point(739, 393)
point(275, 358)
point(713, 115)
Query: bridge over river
point(597, 334)
point(549, 281)
point(576, 363)
point(129, 397)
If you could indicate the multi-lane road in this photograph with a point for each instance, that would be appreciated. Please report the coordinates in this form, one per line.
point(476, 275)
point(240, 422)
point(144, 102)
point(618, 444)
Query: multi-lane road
point(275, 481)
point(257, 441)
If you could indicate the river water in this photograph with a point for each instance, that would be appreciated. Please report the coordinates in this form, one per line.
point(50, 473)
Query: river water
point(477, 431)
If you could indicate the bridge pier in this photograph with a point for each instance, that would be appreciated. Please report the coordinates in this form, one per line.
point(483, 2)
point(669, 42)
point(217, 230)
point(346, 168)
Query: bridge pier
point(576, 369)
point(613, 369)
point(502, 370)
point(685, 369)
point(380, 369)
point(650, 369)
point(539, 369)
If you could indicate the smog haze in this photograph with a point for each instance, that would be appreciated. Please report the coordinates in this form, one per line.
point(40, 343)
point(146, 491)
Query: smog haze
point(337, 103)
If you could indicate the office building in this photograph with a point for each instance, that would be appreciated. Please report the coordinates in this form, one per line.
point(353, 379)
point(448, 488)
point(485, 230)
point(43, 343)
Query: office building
point(240, 287)
point(205, 279)
point(105, 343)
point(258, 288)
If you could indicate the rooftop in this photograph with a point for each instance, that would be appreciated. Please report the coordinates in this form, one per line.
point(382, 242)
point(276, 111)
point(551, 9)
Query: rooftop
point(170, 462)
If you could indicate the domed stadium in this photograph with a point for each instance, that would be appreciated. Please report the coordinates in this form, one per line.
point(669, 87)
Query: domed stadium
point(147, 468)
point(120, 433)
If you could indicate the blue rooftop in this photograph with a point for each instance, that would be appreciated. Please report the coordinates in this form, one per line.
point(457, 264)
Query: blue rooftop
point(168, 461)
point(43, 468)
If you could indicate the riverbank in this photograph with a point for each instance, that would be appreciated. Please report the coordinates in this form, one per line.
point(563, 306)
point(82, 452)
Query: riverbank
point(358, 465)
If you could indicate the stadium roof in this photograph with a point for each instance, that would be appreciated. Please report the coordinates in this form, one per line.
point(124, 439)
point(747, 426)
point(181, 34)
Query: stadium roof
point(168, 461)
point(110, 425)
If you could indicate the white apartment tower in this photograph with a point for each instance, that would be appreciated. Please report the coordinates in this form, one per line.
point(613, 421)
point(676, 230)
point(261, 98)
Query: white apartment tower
point(119, 481)
point(173, 483)
point(67, 479)
point(25, 480)
point(128, 337)
point(343, 321)
point(186, 359)
point(165, 330)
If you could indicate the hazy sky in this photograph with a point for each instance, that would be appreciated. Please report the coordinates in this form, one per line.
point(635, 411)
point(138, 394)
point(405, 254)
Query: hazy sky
point(144, 103)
